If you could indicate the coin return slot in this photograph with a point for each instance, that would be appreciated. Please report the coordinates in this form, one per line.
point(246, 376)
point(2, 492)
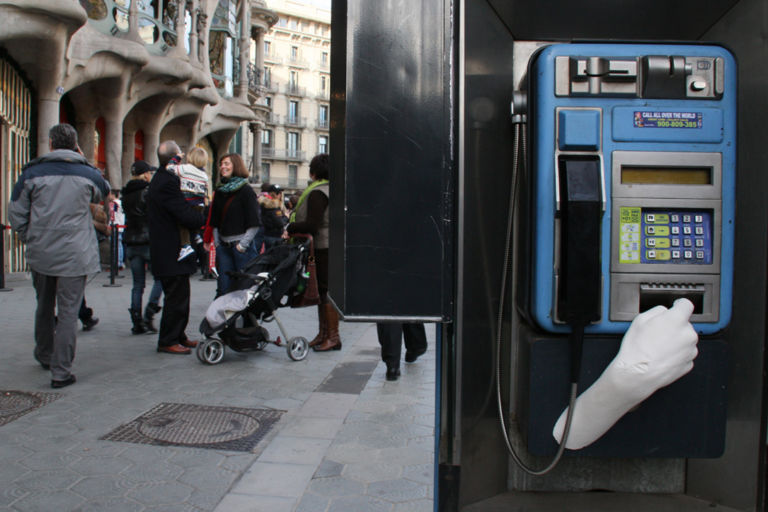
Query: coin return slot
point(655, 295)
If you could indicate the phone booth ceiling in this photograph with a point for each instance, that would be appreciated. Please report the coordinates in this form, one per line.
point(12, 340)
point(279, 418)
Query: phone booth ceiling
point(653, 19)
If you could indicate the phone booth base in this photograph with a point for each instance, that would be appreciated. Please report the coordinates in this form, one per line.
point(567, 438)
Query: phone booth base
point(685, 419)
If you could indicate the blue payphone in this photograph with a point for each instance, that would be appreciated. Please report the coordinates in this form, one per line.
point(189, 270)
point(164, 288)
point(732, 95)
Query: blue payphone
point(645, 134)
point(631, 187)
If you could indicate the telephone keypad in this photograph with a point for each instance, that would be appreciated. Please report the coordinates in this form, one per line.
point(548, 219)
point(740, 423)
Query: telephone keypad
point(662, 230)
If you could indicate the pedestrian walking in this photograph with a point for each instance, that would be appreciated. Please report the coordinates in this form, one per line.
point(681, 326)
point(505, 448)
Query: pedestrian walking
point(50, 211)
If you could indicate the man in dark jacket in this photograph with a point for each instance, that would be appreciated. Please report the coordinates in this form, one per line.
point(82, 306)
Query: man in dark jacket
point(50, 211)
point(167, 209)
point(136, 239)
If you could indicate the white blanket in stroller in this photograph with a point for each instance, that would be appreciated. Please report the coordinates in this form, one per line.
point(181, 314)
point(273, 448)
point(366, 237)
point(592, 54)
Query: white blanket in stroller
point(227, 305)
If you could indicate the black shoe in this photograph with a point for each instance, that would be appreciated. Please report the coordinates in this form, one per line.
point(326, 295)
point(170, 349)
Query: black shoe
point(56, 384)
point(411, 357)
point(44, 366)
point(393, 373)
point(89, 324)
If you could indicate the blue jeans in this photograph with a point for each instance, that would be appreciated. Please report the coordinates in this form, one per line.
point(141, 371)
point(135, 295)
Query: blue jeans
point(229, 259)
point(138, 258)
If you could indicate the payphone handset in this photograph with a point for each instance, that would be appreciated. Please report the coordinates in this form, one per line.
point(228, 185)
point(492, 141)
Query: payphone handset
point(633, 175)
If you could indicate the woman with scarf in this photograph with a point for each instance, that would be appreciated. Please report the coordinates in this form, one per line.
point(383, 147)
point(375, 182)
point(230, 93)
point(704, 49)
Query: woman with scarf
point(235, 219)
point(311, 216)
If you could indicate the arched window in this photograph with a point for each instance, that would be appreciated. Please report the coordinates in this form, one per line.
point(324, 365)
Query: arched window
point(222, 46)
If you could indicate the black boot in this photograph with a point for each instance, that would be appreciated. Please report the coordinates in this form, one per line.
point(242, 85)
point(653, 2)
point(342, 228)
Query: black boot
point(138, 322)
point(149, 312)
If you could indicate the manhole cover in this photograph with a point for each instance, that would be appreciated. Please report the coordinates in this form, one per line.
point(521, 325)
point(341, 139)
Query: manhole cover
point(200, 426)
point(14, 404)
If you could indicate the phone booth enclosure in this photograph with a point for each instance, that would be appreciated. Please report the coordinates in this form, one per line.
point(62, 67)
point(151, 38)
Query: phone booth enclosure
point(391, 206)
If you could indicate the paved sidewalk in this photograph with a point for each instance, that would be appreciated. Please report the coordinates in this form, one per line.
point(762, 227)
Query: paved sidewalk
point(347, 440)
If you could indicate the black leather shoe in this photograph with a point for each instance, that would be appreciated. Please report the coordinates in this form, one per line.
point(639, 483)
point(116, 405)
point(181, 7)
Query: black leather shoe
point(90, 323)
point(56, 384)
point(393, 373)
point(411, 357)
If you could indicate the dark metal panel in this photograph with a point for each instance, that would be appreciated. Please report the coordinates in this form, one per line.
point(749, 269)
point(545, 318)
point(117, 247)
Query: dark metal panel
point(676, 20)
point(395, 161)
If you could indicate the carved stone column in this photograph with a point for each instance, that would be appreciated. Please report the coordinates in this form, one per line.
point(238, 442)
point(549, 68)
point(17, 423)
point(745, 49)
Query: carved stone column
point(194, 43)
point(256, 154)
point(113, 150)
point(244, 46)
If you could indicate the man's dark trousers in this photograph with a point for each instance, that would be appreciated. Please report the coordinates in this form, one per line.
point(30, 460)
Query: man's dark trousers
point(175, 310)
point(390, 335)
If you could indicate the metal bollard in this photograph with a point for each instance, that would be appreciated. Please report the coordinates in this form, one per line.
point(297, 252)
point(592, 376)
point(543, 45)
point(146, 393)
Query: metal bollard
point(112, 257)
point(3, 227)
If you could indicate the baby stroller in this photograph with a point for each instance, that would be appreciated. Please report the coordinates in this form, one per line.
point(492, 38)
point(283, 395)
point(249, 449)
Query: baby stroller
point(265, 284)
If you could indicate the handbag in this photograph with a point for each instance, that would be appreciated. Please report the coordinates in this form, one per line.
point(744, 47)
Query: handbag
point(310, 296)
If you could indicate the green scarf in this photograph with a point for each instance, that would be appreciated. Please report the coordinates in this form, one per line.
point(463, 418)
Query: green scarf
point(232, 184)
point(304, 196)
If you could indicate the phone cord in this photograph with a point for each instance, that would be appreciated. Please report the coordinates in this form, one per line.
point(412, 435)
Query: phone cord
point(519, 139)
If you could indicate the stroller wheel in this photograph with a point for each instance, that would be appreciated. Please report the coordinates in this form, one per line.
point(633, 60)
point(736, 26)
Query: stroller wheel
point(297, 348)
point(210, 351)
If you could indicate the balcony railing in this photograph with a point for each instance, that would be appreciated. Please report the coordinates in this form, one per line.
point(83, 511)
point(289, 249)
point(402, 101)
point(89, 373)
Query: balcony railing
point(283, 154)
point(323, 95)
point(296, 122)
point(270, 85)
point(294, 90)
point(254, 80)
point(297, 62)
point(323, 124)
point(273, 118)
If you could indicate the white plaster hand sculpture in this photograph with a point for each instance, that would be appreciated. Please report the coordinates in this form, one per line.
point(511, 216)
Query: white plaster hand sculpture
point(658, 348)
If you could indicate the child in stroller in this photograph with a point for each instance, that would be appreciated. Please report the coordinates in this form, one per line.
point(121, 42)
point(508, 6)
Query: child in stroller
point(265, 284)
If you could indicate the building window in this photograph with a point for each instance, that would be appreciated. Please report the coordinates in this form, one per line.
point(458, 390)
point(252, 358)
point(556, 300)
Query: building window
point(322, 144)
point(266, 138)
point(294, 24)
point(282, 22)
point(323, 84)
point(268, 101)
point(293, 79)
point(322, 116)
point(324, 58)
point(267, 76)
point(293, 112)
point(293, 175)
point(265, 167)
point(294, 52)
point(267, 48)
point(293, 144)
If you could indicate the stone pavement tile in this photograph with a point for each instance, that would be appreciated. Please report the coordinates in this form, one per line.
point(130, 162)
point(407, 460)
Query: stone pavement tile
point(162, 493)
point(49, 500)
point(350, 452)
point(327, 405)
point(398, 491)
point(47, 480)
point(321, 428)
point(422, 473)
point(295, 450)
point(369, 472)
point(102, 486)
point(415, 506)
point(366, 503)
point(90, 466)
point(328, 468)
point(312, 503)
point(111, 504)
point(10, 494)
point(247, 503)
point(336, 486)
point(153, 472)
point(270, 479)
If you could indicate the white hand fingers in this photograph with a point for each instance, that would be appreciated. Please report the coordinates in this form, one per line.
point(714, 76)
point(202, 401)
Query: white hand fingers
point(683, 309)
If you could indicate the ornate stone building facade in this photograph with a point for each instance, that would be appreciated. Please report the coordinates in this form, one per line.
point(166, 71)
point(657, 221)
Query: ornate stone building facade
point(296, 72)
point(127, 74)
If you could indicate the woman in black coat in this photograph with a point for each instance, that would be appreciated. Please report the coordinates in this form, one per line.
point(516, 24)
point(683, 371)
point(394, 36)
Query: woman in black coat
point(235, 219)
